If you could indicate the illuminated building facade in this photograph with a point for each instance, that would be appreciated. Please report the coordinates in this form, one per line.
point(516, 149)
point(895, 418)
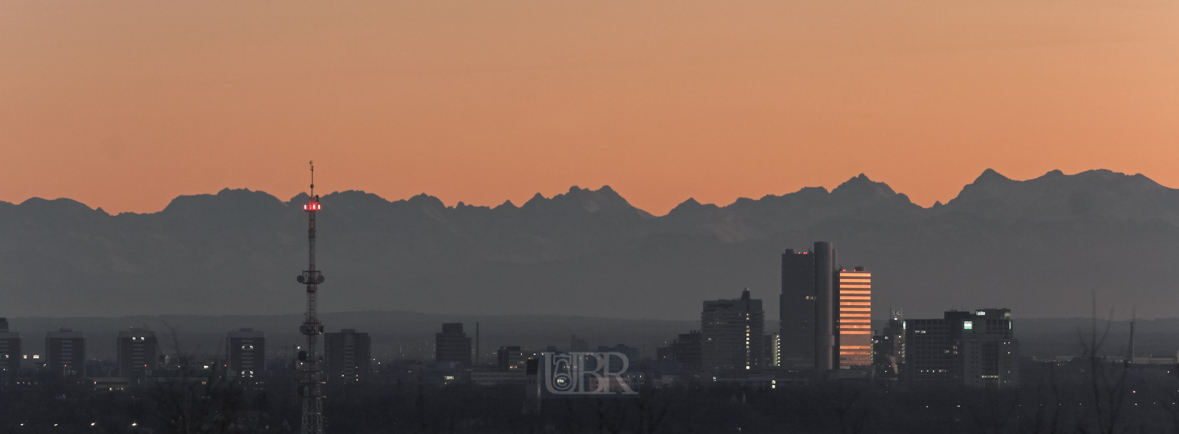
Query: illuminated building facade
point(732, 334)
point(773, 350)
point(826, 312)
point(855, 318)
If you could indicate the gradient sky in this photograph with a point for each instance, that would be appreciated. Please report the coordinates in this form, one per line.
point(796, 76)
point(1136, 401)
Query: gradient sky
point(126, 104)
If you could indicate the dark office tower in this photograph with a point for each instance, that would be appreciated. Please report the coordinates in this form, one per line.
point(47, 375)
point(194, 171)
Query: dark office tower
point(452, 345)
point(511, 359)
point(888, 348)
point(732, 333)
point(9, 351)
point(990, 352)
point(807, 308)
point(247, 353)
point(138, 351)
point(347, 355)
point(687, 349)
point(797, 311)
point(855, 318)
point(975, 349)
point(65, 352)
point(684, 350)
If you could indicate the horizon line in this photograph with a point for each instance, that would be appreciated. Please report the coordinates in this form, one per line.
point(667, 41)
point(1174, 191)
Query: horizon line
point(600, 188)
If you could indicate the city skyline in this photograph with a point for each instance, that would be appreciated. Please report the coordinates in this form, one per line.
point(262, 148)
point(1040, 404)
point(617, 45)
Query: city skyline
point(589, 217)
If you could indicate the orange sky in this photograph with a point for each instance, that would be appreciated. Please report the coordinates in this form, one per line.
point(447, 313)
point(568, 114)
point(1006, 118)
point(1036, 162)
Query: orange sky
point(126, 104)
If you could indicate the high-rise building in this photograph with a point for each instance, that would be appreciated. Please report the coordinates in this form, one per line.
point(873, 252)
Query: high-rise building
point(888, 348)
point(452, 345)
point(732, 333)
point(65, 352)
point(246, 349)
point(138, 352)
point(808, 338)
point(511, 359)
point(347, 356)
point(10, 351)
point(975, 349)
point(773, 351)
point(685, 350)
point(855, 318)
point(990, 352)
point(826, 312)
point(797, 311)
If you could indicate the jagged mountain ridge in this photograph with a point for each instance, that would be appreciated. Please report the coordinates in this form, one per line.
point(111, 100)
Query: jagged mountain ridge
point(1034, 245)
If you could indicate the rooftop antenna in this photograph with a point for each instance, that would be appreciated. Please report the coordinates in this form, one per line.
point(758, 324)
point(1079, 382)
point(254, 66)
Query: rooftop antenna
point(310, 372)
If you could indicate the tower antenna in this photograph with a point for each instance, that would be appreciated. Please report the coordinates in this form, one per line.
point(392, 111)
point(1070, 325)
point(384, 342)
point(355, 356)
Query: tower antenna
point(311, 371)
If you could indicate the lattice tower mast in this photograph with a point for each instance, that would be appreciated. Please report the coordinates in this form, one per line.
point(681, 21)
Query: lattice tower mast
point(311, 363)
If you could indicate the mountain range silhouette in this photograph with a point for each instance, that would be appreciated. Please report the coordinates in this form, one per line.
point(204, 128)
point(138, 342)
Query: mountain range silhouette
point(1040, 246)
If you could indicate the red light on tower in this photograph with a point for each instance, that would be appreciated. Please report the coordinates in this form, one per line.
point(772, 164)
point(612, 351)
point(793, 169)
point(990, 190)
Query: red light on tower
point(312, 200)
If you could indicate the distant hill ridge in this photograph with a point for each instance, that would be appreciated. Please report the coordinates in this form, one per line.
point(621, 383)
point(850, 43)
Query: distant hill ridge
point(1039, 246)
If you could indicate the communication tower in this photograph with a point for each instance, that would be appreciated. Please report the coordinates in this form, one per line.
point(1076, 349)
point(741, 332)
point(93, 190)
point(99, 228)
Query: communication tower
point(311, 363)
